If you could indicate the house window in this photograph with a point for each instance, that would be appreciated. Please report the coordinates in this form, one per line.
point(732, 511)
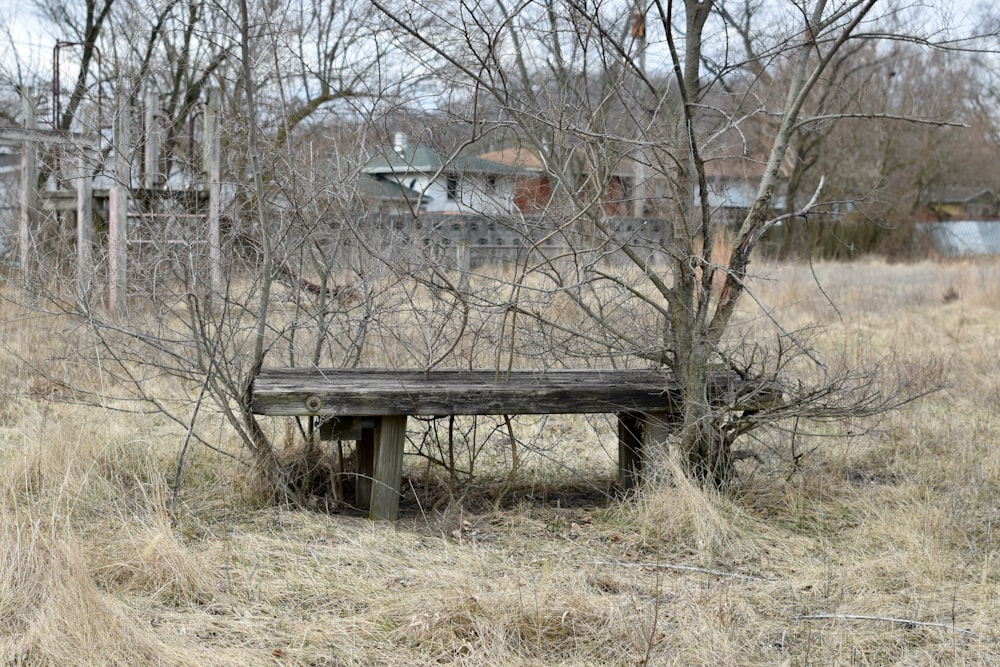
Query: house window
point(452, 187)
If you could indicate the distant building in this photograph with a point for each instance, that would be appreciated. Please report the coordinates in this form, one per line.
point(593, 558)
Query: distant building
point(457, 184)
point(961, 221)
point(389, 197)
point(732, 187)
point(532, 186)
point(963, 238)
point(961, 203)
point(513, 182)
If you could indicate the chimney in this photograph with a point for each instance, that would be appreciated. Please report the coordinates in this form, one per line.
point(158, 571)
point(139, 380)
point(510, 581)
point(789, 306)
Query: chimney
point(399, 142)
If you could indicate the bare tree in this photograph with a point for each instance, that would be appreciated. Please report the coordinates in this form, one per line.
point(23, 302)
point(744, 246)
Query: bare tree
point(574, 85)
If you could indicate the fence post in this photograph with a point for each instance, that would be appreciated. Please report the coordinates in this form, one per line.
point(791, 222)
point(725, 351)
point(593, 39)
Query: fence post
point(213, 175)
point(151, 155)
point(464, 264)
point(29, 193)
point(84, 224)
point(118, 223)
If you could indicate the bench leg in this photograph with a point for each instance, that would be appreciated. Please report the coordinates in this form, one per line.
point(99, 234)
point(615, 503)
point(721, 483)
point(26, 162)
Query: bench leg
point(629, 450)
point(365, 463)
point(388, 468)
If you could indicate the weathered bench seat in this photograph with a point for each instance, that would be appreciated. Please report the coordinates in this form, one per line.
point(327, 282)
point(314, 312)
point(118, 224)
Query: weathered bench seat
point(371, 407)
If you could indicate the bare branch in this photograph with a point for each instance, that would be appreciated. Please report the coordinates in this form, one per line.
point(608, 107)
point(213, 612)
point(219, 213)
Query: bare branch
point(885, 619)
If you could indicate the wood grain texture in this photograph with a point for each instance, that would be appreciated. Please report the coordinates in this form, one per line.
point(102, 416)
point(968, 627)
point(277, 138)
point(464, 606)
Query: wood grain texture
point(391, 440)
point(381, 392)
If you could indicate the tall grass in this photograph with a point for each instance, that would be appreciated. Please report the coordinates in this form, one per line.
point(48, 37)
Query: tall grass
point(874, 547)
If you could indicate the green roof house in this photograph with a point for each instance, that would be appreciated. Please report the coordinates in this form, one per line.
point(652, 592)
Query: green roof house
point(446, 184)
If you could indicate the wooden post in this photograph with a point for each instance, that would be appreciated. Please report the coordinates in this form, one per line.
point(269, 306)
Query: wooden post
point(213, 177)
point(151, 155)
point(388, 468)
point(629, 450)
point(84, 224)
point(118, 223)
point(29, 194)
point(365, 462)
point(464, 263)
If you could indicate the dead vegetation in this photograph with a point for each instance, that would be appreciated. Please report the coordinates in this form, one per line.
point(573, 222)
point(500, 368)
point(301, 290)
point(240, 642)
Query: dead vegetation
point(871, 549)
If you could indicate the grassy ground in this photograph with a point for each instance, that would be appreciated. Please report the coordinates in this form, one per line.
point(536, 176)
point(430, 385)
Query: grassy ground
point(870, 550)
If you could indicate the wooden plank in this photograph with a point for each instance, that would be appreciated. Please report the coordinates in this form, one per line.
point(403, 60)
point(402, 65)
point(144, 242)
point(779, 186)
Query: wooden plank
point(352, 392)
point(15, 136)
point(388, 468)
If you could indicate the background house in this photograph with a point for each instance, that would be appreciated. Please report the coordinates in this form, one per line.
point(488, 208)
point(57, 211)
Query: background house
point(963, 238)
point(389, 197)
point(532, 190)
point(458, 184)
point(961, 221)
point(504, 181)
point(732, 187)
point(961, 203)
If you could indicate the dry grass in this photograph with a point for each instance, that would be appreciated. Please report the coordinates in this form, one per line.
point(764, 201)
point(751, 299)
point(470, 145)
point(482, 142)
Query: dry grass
point(878, 549)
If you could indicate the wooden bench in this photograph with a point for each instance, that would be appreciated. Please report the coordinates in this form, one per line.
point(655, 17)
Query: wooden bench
point(370, 406)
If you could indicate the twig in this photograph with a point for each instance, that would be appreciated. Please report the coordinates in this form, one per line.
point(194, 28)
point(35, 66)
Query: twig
point(819, 284)
point(417, 497)
point(179, 469)
point(509, 482)
point(683, 568)
point(879, 116)
point(887, 619)
point(774, 320)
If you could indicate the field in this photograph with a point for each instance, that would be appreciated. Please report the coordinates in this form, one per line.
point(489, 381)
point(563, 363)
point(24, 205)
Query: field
point(877, 545)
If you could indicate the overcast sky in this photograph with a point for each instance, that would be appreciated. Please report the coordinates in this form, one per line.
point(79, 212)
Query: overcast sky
point(33, 41)
point(26, 34)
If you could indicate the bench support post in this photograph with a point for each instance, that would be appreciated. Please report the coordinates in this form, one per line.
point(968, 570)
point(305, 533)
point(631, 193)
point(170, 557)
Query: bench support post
point(388, 468)
point(629, 450)
point(365, 463)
